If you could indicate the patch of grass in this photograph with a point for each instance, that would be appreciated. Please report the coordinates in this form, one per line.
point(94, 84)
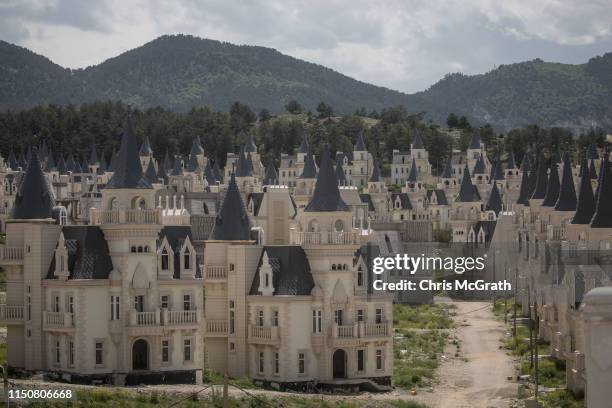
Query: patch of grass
point(108, 397)
point(416, 355)
point(551, 372)
point(213, 377)
point(561, 399)
point(435, 316)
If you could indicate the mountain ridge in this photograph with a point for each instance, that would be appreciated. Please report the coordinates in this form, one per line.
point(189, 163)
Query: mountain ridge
point(181, 71)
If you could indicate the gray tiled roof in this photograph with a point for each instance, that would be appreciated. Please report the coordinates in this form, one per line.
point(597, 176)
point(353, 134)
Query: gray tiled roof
point(586, 200)
point(291, 274)
point(232, 222)
point(88, 254)
point(541, 181)
point(127, 168)
point(567, 191)
point(553, 186)
point(326, 196)
point(467, 191)
point(34, 199)
point(602, 218)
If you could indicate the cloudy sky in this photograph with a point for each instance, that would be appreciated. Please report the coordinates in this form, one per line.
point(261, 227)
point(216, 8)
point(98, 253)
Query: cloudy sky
point(405, 44)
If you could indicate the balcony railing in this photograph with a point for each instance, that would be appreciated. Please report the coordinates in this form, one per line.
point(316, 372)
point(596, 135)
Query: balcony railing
point(57, 320)
point(180, 317)
point(361, 330)
point(324, 238)
point(11, 254)
point(215, 272)
point(145, 318)
point(216, 327)
point(557, 232)
point(265, 334)
point(138, 216)
point(374, 329)
point(11, 313)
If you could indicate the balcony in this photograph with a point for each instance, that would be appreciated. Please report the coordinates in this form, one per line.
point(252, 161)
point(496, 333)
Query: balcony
point(216, 328)
point(10, 255)
point(344, 334)
point(57, 321)
point(325, 238)
point(374, 329)
point(264, 334)
point(215, 273)
point(147, 216)
point(556, 232)
point(144, 318)
point(11, 314)
point(180, 317)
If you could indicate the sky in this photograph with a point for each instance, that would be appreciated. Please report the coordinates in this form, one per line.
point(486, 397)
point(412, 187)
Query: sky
point(405, 45)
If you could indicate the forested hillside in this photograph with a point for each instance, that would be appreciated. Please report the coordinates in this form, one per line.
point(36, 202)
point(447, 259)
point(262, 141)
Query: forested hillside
point(182, 72)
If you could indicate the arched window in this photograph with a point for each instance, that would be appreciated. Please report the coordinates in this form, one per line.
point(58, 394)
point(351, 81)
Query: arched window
point(339, 225)
point(187, 260)
point(165, 260)
point(133, 249)
point(333, 267)
point(113, 204)
point(140, 249)
point(146, 248)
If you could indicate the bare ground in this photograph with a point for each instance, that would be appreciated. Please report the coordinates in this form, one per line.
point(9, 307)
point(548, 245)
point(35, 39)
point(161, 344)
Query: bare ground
point(477, 378)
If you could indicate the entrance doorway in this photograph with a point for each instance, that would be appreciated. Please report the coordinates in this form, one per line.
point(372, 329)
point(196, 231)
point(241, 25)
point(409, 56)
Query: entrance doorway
point(140, 355)
point(339, 363)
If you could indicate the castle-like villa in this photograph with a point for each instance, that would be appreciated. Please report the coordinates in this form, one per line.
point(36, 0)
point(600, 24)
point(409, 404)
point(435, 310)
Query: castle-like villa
point(145, 270)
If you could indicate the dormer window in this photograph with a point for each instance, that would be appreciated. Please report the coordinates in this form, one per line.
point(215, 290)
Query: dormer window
point(165, 259)
point(187, 260)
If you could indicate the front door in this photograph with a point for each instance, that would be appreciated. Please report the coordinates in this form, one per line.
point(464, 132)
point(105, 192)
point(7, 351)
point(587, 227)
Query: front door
point(339, 364)
point(140, 355)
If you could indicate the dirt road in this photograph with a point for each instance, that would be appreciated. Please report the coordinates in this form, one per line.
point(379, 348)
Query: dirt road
point(481, 381)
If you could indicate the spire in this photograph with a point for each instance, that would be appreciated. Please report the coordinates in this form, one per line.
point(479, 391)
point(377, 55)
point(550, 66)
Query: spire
point(12, 160)
point(475, 142)
point(552, 188)
point(375, 174)
point(479, 167)
point(145, 149)
point(413, 175)
point(511, 162)
point(209, 174)
point(161, 173)
point(310, 168)
point(249, 160)
point(232, 222)
point(417, 142)
point(448, 168)
point(217, 171)
point(271, 177)
point(603, 204)
point(586, 200)
point(599, 184)
point(93, 157)
point(526, 163)
point(304, 147)
point(592, 152)
point(192, 164)
point(592, 170)
point(168, 165)
point(102, 168)
point(178, 167)
point(496, 172)
point(495, 202)
point(70, 164)
point(150, 173)
point(467, 192)
point(541, 181)
point(61, 165)
point(127, 167)
point(340, 176)
point(360, 144)
point(524, 191)
point(326, 196)
point(250, 146)
point(567, 192)
point(77, 167)
point(242, 167)
point(196, 147)
point(34, 200)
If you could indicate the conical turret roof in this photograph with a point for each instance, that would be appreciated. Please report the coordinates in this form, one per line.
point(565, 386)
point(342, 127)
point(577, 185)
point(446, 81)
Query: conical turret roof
point(479, 167)
point(271, 177)
point(340, 176)
point(603, 204)
point(304, 146)
point(511, 162)
point(127, 167)
point(326, 196)
point(150, 173)
point(553, 186)
point(414, 174)
point(448, 168)
point(360, 143)
point(586, 200)
point(310, 168)
point(541, 181)
point(145, 149)
point(250, 146)
point(375, 174)
point(34, 199)
point(567, 192)
point(232, 222)
point(417, 142)
point(495, 202)
point(467, 191)
point(475, 141)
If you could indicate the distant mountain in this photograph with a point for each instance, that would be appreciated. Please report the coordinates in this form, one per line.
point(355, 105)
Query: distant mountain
point(545, 93)
point(179, 72)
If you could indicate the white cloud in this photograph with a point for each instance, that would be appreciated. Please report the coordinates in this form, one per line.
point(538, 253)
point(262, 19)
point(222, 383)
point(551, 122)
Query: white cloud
point(406, 45)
